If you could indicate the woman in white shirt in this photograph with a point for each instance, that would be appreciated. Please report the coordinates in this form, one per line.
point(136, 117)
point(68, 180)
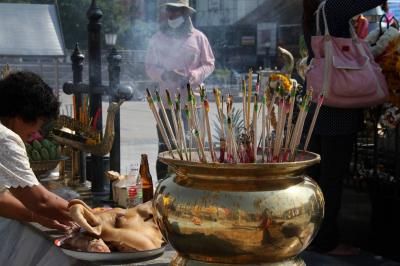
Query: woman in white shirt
point(26, 102)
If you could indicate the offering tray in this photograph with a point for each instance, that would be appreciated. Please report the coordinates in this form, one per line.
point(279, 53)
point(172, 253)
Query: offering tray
point(115, 257)
point(112, 257)
point(42, 168)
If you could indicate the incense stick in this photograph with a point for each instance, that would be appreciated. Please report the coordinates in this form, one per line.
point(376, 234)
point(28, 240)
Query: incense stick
point(187, 113)
point(202, 128)
point(291, 108)
point(210, 144)
point(180, 134)
point(158, 122)
point(249, 92)
point(168, 124)
point(181, 128)
point(255, 110)
point(263, 126)
point(200, 145)
point(310, 130)
point(244, 100)
point(173, 111)
point(217, 95)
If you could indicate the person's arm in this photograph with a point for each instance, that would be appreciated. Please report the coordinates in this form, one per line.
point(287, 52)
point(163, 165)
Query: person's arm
point(12, 208)
point(348, 9)
point(153, 68)
point(198, 75)
point(17, 175)
point(43, 202)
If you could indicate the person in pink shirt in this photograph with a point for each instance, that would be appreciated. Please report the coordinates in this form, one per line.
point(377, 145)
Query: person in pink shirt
point(177, 55)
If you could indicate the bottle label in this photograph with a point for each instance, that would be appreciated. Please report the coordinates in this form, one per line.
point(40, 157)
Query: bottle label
point(135, 194)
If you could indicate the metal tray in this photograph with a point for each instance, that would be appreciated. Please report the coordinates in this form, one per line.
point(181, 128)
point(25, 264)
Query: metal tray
point(115, 257)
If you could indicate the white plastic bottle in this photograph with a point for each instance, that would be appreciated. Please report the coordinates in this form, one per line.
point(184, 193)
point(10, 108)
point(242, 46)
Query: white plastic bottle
point(135, 194)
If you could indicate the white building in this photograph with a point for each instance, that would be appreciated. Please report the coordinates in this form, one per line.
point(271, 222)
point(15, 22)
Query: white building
point(223, 12)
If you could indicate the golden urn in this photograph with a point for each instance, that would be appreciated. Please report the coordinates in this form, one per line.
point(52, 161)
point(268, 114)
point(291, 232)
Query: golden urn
point(249, 214)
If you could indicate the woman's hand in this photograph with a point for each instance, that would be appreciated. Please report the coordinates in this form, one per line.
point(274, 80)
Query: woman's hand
point(54, 224)
point(50, 223)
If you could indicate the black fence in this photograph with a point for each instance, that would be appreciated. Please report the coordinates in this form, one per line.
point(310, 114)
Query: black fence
point(375, 169)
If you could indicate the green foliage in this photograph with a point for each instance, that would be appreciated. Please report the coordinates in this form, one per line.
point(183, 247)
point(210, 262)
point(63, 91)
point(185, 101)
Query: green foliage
point(237, 122)
point(74, 22)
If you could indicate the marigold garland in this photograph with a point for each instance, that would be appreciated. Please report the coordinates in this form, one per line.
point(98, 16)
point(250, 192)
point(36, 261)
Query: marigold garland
point(284, 80)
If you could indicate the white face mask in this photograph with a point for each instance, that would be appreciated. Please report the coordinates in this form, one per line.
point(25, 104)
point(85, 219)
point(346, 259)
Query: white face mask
point(176, 23)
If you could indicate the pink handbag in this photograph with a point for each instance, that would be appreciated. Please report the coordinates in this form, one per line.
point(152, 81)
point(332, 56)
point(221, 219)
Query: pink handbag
point(344, 71)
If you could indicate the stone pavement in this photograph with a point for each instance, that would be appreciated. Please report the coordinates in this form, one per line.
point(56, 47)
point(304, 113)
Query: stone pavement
point(310, 258)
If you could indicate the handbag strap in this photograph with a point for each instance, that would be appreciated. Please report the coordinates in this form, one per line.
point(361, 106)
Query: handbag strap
point(380, 24)
point(384, 16)
point(327, 47)
point(321, 9)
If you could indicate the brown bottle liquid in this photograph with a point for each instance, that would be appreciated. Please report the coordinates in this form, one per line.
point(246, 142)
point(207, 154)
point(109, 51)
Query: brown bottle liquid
point(147, 181)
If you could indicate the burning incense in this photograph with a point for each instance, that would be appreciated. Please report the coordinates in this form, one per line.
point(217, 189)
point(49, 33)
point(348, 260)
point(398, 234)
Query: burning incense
point(187, 113)
point(167, 123)
point(244, 100)
point(193, 110)
point(200, 145)
point(232, 154)
point(255, 111)
point(231, 139)
point(181, 128)
point(158, 121)
point(217, 95)
point(203, 119)
point(310, 130)
point(279, 129)
point(207, 119)
point(173, 111)
point(307, 108)
point(222, 142)
point(249, 92)
point(192, 123)
point(296, 136)
point(263, 126)
point(291, 108)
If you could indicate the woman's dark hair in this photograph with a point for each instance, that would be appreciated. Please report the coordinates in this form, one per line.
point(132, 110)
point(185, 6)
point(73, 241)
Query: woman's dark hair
point(26, 95)
point(309, 8)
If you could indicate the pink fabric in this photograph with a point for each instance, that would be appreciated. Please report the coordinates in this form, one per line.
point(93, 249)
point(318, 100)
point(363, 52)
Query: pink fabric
point(352, 84)
point(344, 71)
point(362, 27)
point(192, 56)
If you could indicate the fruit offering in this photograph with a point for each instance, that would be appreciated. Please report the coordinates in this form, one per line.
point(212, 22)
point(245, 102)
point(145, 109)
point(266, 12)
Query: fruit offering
point(42, 150)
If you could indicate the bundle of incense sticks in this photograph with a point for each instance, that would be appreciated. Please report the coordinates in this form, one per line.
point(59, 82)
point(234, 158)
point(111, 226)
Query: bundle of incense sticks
point(280, 135)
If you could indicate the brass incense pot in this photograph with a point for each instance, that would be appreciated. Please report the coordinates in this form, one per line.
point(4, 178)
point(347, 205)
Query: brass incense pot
point(258, 214)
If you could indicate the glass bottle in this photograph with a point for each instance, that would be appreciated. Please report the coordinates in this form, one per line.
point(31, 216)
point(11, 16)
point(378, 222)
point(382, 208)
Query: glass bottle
point(146, 179)
point(139, 190)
